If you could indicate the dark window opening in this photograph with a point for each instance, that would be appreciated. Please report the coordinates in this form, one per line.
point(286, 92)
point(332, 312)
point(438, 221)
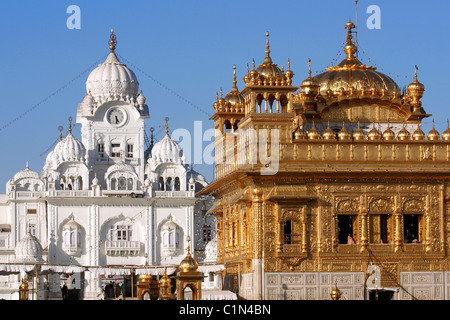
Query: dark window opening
point(288, 232)
point(411, 228)
point(346, 230)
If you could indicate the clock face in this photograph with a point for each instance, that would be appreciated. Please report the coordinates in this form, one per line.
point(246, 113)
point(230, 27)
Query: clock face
point(116, 116)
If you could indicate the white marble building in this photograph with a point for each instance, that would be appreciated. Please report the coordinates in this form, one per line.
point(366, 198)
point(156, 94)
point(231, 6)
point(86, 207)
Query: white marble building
point(103, 202)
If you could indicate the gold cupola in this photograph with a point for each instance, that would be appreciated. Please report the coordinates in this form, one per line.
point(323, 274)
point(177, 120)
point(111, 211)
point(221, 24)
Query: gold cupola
point(403, 134)
point(234, 99)
point(388, 134)
point(433, 134)
point(353, 78)
point(415, 93)
point(418, 134)
point(329, 133)
point(359, 134)
point(309, 88)
point(446, 133)
point(299, 134)
point(188, 264)
point(343, 134)
point(374, 134)
point(313, 133)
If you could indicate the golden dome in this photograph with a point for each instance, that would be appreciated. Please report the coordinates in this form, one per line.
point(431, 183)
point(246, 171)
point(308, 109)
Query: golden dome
point(234, 98)
point(335, 293)
point(299, 134)
point(433, 134)
point(359, 134)
point(289, 74)
point(403, 134)
point(388, 134)
point(351, 75)
point(374, 134)
point(414, 94)
point(145, 277)
point(313, 134)
point(415, 87)
point(329, 134)
point(446, 133)
point(165, 280)
point(188, 264)
point(343, 134)
point(418, 134)
point(24, 285)
point(309, 86)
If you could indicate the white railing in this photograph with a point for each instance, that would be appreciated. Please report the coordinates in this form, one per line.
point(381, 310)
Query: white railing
point(122, 247)
point(174, 194)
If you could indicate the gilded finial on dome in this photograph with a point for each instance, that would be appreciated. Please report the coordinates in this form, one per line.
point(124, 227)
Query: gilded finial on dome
point(112, 41)
point(415, 93)
point(309, 67)
point(167, 125)
point(350, 48)
point(60, 129)
point(151, 135)
point(70, 124)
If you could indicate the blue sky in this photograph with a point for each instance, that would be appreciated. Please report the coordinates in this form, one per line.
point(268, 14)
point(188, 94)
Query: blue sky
point(189, 47)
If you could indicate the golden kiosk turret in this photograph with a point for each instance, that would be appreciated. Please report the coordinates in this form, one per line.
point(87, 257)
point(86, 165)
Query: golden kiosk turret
point(189, 276)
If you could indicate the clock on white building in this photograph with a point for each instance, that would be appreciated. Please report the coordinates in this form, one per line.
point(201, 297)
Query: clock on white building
point(116, 116)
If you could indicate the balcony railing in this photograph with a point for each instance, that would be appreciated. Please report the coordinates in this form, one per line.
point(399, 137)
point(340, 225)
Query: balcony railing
point(122, 247)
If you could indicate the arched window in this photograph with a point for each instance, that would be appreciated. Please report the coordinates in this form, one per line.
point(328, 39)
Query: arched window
point(169, 184)
point(122, 183)
point(177, 184)
point(170, 237)
point(113, 183)
point(79, 183)
point(72, 238)
point(130, 184)
point(161, 183)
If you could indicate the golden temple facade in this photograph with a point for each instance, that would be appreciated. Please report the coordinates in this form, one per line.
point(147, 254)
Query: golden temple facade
point(331, 182)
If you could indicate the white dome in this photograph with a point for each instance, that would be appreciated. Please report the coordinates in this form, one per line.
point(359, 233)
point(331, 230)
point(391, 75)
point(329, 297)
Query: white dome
point(112, 78)
point(26, 173)
point(167, 150)
point(68, 149)
point(28, 249)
